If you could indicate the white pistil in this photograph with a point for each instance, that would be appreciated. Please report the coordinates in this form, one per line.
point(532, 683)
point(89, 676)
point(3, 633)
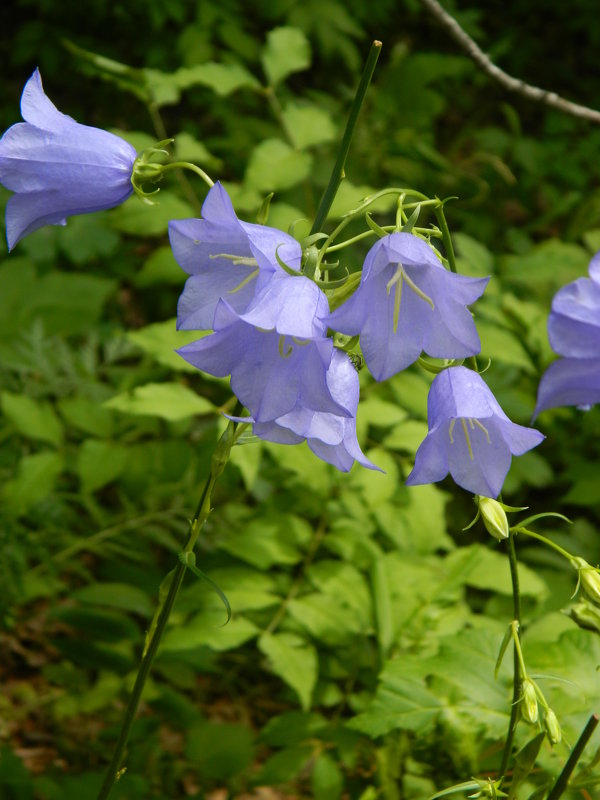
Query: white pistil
point(245, 261)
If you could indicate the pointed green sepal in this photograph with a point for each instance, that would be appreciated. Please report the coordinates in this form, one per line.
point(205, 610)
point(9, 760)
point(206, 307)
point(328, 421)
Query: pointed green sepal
point(265, 207)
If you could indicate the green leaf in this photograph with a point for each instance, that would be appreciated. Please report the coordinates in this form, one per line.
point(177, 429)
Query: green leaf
point(140, 219)
point(88, 236)
point(292, 727)
point(294, 660)
point(408, 435)
point(122, 596)
point(33, 419)
point(171, 401)
point(207, 629)
point(327, 780)
point(160, 267)
point(223, 79)
point(219, 750)
point(275, 165)
point(324, 619)
point(36, 476)
point(100, 463)
point(86, 415)
point(161, 339)
point(287, 50)
point(308, 125)
point(501, 344)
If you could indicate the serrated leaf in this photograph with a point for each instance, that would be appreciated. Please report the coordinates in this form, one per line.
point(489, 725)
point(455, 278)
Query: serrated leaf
point(294, 660)
point(275, 165)
point(287, 50)
point(171, 401)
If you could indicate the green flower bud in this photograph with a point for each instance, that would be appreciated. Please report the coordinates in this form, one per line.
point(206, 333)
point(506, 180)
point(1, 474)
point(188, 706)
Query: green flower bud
point(589, 578)
point(585, 615)
point(529, 703)
point(551, 727)
point(494, 518)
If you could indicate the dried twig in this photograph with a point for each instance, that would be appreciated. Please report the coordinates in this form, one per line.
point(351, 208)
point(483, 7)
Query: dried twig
point(550, 99)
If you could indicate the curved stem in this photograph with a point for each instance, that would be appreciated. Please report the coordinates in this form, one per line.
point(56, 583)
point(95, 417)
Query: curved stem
point(161, 131)
point(514, 710)
point(338, 169)
point(192, 167)
point(218, 461)
point(546, 541)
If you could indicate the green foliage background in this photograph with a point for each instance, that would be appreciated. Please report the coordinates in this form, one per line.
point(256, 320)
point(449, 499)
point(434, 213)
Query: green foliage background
point(359, 661)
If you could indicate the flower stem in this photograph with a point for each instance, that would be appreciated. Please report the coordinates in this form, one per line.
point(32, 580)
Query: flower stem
point(514, 709)
point(338, 169)
point(576, 753)
point(446, 238)
point(218, 461)
point(191, 167)
point(558, 548)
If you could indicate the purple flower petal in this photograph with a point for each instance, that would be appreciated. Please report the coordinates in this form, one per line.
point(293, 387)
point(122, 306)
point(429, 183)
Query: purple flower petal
point(58, 167)
point(469, 435)
point(569, 382)
point(406, 303)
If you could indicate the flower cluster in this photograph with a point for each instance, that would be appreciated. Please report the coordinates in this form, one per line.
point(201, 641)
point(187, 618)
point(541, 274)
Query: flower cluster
point(574, 333)
point(271, 323)
point(269, 331)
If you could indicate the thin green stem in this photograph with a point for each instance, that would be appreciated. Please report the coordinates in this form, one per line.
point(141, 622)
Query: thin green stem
point(514, 709)
point(218, 461)
point(446, 238)
point(338, 169)
point(161, 132)
point(546, 541)
point(192, 167)
point(576, 753)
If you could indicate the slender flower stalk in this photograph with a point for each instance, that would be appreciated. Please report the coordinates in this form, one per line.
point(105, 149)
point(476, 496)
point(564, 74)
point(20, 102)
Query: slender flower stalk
point(338, 169)
point(218, 462)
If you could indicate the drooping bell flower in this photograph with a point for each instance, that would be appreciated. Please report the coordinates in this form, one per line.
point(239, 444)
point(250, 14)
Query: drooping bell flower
point(331, 437)
point(469, 436)
point(574, 332)
point(226, 258)
point(406, 303)
point(57, 167)
point(277, 352)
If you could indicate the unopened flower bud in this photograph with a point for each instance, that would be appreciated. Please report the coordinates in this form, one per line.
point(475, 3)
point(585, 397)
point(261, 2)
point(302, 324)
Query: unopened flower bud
point(585, 615)
point(589, 578)
point(529, 703)
point(552, 727)
point(494, 517)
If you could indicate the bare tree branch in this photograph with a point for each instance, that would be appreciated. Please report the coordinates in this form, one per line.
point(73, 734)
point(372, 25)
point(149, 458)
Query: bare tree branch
point(550, 99)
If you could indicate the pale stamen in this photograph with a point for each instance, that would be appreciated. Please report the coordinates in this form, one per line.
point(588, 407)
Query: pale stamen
point(396, 280)
point(245, 261)
point(246, 280)
point(472, 422)
point(281, 348)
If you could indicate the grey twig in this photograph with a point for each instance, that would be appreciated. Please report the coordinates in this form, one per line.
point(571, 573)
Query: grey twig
point(526, 90)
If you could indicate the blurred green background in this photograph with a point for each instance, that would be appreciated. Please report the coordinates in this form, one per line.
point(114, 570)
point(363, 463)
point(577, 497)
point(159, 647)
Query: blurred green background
point(359, 660)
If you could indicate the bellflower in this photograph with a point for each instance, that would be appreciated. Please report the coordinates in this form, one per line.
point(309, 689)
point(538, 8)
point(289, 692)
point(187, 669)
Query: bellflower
point(331, 437)
point(469, 435)
point(574, 332)
point(277, 352)
point(406, 303)
point(224, 256)
point(57, 167)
